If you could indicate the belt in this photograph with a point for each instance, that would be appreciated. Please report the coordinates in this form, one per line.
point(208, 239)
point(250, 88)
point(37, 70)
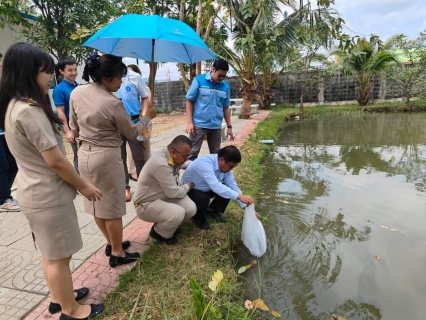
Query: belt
point(136, 116)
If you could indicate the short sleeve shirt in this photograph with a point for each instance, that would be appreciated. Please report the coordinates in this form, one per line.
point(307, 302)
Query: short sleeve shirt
point(28, 133)
point(209, 100)
point(61, 95)
point(131, 90)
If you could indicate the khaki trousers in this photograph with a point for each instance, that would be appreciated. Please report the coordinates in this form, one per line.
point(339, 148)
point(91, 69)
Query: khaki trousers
point(167, 215)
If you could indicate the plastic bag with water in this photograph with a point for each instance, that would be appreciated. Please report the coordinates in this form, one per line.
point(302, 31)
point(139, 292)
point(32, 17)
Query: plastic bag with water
point(253, 235)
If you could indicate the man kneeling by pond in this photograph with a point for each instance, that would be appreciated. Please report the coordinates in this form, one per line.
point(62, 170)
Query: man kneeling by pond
point(213, 178)
point(159, 197)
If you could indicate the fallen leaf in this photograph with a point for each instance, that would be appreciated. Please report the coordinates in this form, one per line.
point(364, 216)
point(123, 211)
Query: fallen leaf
point(259, 304)
point(393, 229)
point(267, 197)
point(243, 268)
point(218, 242)
point(248, 304)
point(254, 262)
point(276, 314)
point(216, 279)
point(261, 193)
point(378, 257)
point(384, 227)
point(283, 201)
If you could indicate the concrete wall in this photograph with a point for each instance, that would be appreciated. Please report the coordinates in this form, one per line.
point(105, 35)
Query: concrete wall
point(171, 95)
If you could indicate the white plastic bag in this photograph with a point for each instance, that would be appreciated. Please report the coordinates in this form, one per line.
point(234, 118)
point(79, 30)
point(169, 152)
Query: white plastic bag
point(253, 234)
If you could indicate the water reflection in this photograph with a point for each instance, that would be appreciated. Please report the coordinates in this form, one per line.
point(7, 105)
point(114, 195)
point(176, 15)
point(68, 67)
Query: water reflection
point(343, 179)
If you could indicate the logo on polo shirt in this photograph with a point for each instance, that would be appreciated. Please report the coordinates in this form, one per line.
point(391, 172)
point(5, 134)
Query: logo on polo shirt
point(128, 88)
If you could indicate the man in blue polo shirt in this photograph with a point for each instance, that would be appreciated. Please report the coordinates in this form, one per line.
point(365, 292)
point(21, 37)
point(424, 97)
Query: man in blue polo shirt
point(208, 101)
point(61, 97)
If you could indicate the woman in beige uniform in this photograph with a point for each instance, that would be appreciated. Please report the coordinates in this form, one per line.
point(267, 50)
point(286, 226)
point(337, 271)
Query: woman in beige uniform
point(47, 180)
point(97, 118)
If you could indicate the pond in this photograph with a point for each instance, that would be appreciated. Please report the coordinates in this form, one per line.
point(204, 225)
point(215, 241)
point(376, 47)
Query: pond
point(351, 240)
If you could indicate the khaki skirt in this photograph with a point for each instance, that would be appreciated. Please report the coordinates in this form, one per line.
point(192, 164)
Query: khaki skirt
point(56, 230)
point(104, 168)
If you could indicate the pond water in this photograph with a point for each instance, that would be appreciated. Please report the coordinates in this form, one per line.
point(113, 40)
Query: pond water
point(328, 251)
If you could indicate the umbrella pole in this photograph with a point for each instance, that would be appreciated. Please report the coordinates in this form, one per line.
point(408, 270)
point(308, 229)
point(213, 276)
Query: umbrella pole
point(152, 71)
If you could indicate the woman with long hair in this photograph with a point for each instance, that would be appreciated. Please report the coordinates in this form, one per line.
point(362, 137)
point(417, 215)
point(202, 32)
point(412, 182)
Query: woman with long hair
point(47, 180)
point(97, 118)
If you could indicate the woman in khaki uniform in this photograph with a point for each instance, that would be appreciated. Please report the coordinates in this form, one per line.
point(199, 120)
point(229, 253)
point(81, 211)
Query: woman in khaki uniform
point(97, 118)
point(47, 180)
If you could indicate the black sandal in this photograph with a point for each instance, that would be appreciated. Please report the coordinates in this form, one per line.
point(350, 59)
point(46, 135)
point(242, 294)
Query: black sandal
point(95, 309)
point(56, 307)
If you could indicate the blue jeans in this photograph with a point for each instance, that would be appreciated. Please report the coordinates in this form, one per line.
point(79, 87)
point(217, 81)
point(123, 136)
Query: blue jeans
point(8, 170)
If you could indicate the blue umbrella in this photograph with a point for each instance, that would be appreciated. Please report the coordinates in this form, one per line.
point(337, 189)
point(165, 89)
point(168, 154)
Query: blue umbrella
point(136, 36)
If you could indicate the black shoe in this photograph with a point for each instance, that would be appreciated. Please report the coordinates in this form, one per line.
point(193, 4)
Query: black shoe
point(216, 215)
point(108, 248)
point(131, 178)
point(56, 307)
point(201, 224)
point(95, 309)
point(119, 261)
point(177, 232)
point(160, 238)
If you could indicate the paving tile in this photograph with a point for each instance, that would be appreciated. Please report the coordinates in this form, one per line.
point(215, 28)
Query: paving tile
point(14, 304)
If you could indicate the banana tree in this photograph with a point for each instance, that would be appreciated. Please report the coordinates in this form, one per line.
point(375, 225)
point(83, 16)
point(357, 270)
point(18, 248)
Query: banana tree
point(364, 58)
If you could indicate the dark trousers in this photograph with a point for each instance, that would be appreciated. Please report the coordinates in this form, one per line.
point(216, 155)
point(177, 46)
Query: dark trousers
point(137, 148)
point(213, 140)
point(202, 201)
point(75, 160)
point(8, 170)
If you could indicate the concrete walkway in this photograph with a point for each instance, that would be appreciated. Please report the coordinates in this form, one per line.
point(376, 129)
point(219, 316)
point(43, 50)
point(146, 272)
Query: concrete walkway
point(23, 291)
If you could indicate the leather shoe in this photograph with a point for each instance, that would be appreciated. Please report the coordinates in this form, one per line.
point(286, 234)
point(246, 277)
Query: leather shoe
point(216, 215)
point(56, 307)
point(201, 224)
point(119, 261)
point(95, 309)
point(108, 248)
point(128, 195)
point(133, 179)
point(160, 238)
point(177, 232)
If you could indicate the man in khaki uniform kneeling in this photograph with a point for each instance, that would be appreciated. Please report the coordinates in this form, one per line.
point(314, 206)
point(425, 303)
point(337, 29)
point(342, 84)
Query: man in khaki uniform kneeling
point(159, 197)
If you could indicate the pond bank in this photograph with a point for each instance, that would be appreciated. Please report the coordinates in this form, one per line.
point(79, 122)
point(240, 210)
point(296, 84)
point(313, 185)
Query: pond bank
point(162, 277)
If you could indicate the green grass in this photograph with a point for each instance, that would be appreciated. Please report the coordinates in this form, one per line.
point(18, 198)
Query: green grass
point(162, 276)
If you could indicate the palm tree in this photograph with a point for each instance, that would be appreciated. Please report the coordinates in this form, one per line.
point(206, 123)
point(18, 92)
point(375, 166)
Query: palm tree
point(363, 59)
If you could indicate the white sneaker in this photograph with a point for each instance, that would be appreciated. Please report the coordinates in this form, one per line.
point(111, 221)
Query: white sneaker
point(10, 205)
point(12, 201)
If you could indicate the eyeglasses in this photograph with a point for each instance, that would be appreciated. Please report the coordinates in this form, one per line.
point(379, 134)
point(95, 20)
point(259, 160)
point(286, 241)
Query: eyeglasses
point(221, 76)
point(230, 167)
point(183, 157)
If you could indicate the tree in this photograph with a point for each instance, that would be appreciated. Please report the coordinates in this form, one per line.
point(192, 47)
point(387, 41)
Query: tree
point(56, 21)
point(363, 58)
point(410, 76)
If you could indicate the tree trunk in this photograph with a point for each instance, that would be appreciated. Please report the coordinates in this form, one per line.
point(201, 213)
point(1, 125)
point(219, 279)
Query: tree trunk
point(364, 91)
point(247, 94)
point(183, 76)
point(200, 8)
point(192, 72)
point(302, 93)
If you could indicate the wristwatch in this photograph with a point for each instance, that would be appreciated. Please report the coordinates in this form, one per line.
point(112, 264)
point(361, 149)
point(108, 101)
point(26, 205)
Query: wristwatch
point(229, 127)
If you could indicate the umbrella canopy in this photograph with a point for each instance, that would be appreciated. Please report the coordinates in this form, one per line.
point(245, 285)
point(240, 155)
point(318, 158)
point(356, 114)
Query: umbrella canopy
point(131, 36)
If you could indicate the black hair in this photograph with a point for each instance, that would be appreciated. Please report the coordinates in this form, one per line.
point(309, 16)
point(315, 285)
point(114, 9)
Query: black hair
point(135, 68)
point(65, 61)
point(230, 154)
point(221, 64)
point(106, 66)
point(181, 141)
point(1, 55)
point(21, 65)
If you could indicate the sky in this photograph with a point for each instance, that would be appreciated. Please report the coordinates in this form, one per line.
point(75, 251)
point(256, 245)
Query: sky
point(363, 17)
